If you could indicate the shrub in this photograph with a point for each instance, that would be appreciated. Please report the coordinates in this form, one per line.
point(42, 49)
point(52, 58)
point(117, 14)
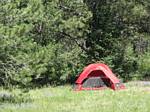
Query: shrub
point(14, 97)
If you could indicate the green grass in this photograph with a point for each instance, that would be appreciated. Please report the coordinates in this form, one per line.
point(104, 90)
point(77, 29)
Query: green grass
point(63, 99)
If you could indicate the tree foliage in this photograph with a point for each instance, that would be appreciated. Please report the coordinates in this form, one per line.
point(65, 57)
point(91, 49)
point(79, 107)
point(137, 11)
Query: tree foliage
point(115, 26)
point(50, 41)
point(36, 39)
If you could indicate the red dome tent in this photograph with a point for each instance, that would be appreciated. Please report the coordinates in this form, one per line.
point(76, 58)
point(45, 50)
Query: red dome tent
point(97, 76)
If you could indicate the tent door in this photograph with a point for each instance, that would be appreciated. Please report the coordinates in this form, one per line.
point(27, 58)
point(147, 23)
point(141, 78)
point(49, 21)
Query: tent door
point(93, 82)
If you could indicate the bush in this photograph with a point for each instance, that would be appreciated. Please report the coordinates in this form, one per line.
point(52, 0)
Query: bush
point(14, 97)
point(144, 65)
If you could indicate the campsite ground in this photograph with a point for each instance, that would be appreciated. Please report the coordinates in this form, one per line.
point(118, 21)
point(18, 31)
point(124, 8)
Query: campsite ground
point(136, 98)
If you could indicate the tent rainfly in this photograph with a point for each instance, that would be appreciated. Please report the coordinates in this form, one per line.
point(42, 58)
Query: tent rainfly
point(97, 76)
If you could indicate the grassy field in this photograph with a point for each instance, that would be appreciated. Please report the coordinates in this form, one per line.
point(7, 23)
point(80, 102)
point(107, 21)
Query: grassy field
point(63, 99)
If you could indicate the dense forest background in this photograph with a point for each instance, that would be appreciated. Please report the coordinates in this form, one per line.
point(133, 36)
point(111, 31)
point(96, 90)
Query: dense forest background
point(50, 41)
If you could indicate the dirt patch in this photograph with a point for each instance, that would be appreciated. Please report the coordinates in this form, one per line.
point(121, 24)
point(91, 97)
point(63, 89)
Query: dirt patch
point(139, 83)
point(143, 85)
